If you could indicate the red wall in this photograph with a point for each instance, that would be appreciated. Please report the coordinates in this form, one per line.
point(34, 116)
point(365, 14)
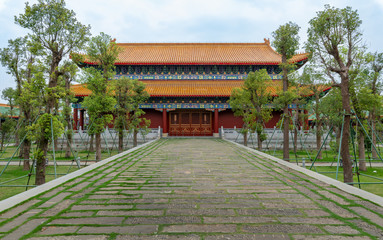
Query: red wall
point(228, 120)
point(225, 119)
point(274, 120)
point(154, 116)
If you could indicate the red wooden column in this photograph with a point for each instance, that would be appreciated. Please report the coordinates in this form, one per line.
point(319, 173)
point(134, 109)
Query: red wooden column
point(82, 119)
point(164, 123)
point(215, 133)
point(75, 118)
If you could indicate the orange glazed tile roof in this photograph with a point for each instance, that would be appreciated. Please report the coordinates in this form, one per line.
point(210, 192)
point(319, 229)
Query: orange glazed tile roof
point(195, 88)
point(200, 53)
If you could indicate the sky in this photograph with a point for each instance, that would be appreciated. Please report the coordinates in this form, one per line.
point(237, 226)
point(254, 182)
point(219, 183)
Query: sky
point(194, 20)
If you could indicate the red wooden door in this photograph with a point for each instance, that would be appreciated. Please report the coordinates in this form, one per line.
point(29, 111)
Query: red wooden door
point(190, 123)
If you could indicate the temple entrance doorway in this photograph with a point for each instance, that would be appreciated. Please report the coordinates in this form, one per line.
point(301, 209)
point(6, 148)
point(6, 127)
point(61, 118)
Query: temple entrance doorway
point(190, 123)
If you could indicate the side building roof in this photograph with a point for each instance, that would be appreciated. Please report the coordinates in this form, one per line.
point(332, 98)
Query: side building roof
point(4, 111)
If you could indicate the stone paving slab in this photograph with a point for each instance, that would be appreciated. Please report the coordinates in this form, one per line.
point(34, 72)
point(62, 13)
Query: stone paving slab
point(196, 189)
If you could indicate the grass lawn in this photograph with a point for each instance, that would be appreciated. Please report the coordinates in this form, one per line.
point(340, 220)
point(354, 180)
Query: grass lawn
point(20, 177)
point(327, 155)
point(59, 155)
point(376, 172)
point(330, 156)
point(17, 176)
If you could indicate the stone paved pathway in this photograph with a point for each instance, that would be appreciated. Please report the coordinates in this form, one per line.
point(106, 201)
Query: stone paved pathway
point(193, 189)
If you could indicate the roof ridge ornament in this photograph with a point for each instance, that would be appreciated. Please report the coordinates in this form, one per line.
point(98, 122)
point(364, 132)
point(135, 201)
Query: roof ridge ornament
point(267, 41)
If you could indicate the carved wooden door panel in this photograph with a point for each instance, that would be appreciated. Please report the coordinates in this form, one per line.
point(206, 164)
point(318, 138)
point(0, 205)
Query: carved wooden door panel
point(190, 123)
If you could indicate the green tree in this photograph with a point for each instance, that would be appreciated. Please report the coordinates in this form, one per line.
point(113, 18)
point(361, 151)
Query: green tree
point(7, 128)
point(250, 102)
point(104, 52)
point(20, 58)
point(9, 94)
point(99, 105)
point(9, 124)
point(128, 93)
point(331, 108)
point(56, 29)
point(375, 68)
point(331, 31)
point(69, 70)
point(135, 120)
point(362, 100)
point(286, 43)
point(315, 80)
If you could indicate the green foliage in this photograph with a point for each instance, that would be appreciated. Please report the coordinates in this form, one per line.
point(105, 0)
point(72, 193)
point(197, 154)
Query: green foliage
point(286, 39)
point(129, 93)
point(100, 104)
point(104, 51)
point(284, 98)
point(22, 60)
point(250, 101)
point(7, 127)
point(44, 125)
point(14, 56)
point(35, 61)
point(331, 107)
point(334, 37)
point(10, 95)
point(54, 26)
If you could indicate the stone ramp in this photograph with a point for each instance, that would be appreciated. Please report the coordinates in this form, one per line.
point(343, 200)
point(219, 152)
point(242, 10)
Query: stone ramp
point(193, 189)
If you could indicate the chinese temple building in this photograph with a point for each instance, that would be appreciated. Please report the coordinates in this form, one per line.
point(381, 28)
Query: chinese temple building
point(190, 83)
point(5, 111)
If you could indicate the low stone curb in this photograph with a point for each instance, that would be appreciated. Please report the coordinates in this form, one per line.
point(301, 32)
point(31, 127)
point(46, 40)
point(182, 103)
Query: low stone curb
point(342, 186)
point(21, 197)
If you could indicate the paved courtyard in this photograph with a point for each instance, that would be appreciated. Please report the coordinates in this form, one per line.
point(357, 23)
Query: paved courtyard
point(193, 189)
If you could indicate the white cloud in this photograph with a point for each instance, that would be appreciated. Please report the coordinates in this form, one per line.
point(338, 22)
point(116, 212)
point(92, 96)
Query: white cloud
point(2, 4)
point(172, 16)
point(379, 2)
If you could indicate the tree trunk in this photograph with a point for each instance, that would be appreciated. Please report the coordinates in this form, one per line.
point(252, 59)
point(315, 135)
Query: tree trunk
point(361, 151)
point(296, 127)
point(26, 154)
point(319, 138)
point(286, 147)
point(91, 145)
point(259, 141)
point(17, 139)
point(338, 135)
point(98, 147)
point(245, 138)
point(135, 132)
point(373, 134)
point(120, 140)
point(56, 142)
point(2, 141)
point(68, 150)
point(345, 151)
point(318, 126)
point(42, 148)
